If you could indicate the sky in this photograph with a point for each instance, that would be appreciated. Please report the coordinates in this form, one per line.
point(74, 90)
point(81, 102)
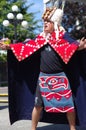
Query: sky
point(37, 7)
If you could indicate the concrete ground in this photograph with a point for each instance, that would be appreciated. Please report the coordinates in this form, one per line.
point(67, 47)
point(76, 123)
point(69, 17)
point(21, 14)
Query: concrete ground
point(19, 125)
point(25, 124)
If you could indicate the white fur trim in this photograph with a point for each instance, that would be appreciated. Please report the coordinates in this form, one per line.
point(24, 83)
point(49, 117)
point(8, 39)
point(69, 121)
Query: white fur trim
point(45, 1)
point(57, 16)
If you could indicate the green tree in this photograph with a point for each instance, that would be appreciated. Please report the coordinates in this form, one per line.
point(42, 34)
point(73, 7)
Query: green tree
point(22, 34)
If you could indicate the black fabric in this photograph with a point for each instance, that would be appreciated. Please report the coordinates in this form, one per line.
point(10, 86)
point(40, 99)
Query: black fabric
point(22, 78)
point(50, 60)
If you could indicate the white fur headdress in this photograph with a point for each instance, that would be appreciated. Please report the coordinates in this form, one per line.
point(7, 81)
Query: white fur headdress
point(54, 13)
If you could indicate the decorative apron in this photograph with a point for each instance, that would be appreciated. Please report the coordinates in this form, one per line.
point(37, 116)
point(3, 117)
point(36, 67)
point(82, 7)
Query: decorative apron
point(56, 92)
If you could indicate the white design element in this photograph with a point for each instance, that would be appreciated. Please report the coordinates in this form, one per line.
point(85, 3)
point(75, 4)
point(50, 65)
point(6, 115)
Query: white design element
point(62, 95)
point(59, 110)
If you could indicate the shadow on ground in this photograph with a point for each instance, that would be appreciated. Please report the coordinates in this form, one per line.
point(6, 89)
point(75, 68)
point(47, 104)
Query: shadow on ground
point(58, 127)
point(3, 107)
point(26, 125)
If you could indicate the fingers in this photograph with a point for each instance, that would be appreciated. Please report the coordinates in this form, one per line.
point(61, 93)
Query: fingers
point(83, 39)
point(3, 46)
point(1, 42)
point(82, 44)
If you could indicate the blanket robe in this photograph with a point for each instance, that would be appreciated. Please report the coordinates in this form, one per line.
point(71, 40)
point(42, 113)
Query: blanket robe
point(23, 71)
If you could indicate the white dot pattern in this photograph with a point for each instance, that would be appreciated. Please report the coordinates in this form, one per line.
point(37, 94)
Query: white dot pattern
point(62, 47)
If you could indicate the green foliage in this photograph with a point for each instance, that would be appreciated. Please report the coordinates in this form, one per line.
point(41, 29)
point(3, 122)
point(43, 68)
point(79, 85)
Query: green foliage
point(3, 57)
point(22, 33)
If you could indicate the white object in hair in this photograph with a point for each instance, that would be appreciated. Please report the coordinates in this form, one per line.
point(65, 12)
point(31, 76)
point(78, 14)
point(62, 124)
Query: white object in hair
point(57, 16)
point(45, 1)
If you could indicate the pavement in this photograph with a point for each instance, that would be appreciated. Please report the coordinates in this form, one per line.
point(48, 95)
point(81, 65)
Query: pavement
point(19, 125)
point(22, 124)
point(4, 94)
point(26, 124)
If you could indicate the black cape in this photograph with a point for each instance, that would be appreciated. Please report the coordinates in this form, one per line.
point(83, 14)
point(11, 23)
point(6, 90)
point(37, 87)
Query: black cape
point(22, 79)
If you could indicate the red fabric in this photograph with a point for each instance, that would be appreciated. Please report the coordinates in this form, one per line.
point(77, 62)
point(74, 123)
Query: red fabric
point(60, 109)
point(66, 93)
point(22, 51)
point(61, 46)
point(66, 51)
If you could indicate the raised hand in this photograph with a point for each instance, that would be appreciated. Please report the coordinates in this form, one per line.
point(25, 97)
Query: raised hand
point(4, 46)
point(82, 44)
